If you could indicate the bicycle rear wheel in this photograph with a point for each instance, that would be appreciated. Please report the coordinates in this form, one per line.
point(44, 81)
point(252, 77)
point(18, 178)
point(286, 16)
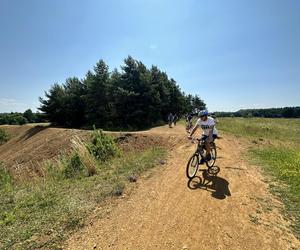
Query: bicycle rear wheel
point(213, 153)
point(192, 166)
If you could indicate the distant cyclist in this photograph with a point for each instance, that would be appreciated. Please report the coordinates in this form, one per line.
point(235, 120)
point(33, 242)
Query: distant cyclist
point(170, 119)
point(207, 124)
point(175, 119)
point(189, 121)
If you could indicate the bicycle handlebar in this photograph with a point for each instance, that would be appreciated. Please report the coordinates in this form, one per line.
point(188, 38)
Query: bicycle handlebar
point(196, 139)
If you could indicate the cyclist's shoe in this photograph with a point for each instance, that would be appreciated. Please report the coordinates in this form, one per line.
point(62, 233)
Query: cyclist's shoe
point(208, 157)
point(202, 161)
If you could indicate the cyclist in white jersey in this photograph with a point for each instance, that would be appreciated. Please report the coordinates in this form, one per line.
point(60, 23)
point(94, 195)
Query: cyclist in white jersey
point(207, 124)
point(215, 131)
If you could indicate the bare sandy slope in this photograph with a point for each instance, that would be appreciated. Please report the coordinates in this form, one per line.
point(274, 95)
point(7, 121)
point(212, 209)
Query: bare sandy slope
point(30, 145)
point(234, 211)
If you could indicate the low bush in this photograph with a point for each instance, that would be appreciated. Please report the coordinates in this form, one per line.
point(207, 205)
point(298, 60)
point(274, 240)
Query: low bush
point(85, 158)
point(102, 146)
point(4, 137)
point(73, 166)
point(88, 160)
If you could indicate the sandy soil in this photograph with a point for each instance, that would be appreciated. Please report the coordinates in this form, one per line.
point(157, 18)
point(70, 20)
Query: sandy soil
point(234, 210)
point(30, 145)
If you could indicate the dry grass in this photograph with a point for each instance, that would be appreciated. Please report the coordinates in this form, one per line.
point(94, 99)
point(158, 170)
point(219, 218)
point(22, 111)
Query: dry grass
point(87, 159)
point(40, 214)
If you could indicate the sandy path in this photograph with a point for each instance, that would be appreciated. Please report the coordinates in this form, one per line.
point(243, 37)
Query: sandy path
point(235, 212)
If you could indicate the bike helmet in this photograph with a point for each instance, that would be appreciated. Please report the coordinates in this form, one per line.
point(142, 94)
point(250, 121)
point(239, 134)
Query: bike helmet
point(203, 113)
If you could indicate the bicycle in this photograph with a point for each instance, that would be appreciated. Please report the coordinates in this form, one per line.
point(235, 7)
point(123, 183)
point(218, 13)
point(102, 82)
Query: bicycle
point(188, 126)
point(200, 156)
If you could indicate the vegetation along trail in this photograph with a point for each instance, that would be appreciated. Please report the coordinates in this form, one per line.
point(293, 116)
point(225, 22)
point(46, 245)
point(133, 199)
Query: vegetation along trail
point(235, 211)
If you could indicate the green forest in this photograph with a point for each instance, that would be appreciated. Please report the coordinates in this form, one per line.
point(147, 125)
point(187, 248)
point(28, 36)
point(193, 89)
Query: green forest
point(133, 97)
point(287, 112)
point(16, 118)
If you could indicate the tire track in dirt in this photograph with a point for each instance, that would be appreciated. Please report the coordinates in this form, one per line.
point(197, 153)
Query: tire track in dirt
point(236, 212)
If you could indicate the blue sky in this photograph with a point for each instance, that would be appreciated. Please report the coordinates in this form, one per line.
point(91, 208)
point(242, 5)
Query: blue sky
point(234, 54)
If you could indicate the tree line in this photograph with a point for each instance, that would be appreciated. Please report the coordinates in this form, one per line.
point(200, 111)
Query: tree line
point(134, 97)
point(286, 112)
point(16, 118)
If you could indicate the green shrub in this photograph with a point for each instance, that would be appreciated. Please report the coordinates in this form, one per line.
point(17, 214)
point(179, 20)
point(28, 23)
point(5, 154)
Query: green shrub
point(87, 159)
point(102, 146)
point(21, 120)
point(118, 189)
point(73, 166)
point(4, 137)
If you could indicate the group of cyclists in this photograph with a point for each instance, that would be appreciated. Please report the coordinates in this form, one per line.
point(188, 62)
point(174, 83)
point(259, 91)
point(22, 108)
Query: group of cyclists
point(172, 119)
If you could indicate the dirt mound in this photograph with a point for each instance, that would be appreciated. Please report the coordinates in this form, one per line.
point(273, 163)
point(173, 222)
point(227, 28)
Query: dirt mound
point(31, 145)
point(233, 210)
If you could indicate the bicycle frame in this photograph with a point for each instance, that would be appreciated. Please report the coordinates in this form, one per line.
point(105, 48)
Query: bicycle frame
point(201, 147)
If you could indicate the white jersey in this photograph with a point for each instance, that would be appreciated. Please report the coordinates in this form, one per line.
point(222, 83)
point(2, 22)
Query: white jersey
point(207, 126)
point(215, 131)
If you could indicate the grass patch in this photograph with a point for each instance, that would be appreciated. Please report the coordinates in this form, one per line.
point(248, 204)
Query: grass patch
point(4, 137)
point(283, 164)
point(280, 158)
point(267, 128)
point(40, 214)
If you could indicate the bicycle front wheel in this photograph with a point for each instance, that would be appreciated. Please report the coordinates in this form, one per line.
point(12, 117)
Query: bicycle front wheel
point(192, 166)
point(212, 161)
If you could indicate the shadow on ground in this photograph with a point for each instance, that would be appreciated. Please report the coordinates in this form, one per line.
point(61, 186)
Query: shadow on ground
point(219, 187)
point(32, 131)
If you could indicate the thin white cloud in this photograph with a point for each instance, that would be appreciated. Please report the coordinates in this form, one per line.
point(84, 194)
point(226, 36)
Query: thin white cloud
point(12, 105)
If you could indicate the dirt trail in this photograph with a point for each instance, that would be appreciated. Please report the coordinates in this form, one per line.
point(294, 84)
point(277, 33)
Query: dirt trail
point(235, 212)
